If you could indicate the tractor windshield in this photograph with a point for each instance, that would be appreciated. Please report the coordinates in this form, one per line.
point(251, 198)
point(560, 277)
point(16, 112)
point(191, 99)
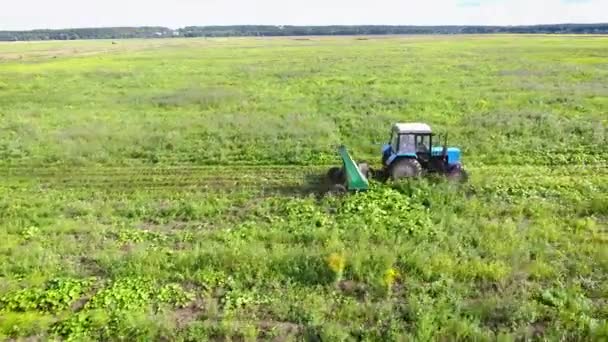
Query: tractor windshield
point(407, 143)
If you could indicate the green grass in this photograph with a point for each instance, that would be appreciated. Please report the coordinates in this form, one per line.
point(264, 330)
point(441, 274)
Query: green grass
point(164, 189)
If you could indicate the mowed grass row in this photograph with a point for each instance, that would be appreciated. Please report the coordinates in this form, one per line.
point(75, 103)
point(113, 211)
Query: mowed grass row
point(280, 172)
point(504, 99)
point(293, 181)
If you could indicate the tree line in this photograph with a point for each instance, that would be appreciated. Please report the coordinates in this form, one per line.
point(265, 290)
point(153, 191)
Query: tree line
point(88, 33)
point(269, 31)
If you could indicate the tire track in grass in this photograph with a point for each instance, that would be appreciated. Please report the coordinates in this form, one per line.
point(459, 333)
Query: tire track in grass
point(166, 178)
point(261, 178)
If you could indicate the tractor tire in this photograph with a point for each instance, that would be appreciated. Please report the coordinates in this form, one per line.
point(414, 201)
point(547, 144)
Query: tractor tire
point(365, 170)
point(405, 168)
point(337, 190)
point(458, 175)
point(336, 175)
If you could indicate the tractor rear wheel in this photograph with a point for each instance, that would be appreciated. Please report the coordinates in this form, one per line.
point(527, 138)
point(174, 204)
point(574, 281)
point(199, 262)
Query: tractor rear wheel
point(336, 175)
point(406, 168)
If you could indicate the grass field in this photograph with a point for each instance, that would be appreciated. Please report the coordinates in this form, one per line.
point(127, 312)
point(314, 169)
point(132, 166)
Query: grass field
point(165, 190)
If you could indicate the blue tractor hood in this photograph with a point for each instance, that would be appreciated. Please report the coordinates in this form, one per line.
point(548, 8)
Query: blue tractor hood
point(453, 154)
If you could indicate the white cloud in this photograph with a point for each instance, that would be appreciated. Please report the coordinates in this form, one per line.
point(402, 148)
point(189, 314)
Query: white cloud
point(28, 14)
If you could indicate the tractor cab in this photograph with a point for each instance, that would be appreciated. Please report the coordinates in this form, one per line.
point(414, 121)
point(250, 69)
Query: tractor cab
point(413, 140)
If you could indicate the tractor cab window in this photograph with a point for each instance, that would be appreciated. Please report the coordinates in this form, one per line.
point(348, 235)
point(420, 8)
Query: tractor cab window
point(423, 143)
point(407, 143)
point(395, 141)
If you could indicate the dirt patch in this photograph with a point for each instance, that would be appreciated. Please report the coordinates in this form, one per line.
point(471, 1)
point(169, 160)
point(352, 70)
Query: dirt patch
point(278, 331)
point(127, 247)
point(523, 73)
point(268, 329)
point(511, 286)
point(79, 304)
point(92, 267)
point(186, 315)
point(353, 289)
point(169, 227)
point(538, 328)
point(27, 339)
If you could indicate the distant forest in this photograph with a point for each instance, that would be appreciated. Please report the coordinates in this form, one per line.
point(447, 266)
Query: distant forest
point(270, 31)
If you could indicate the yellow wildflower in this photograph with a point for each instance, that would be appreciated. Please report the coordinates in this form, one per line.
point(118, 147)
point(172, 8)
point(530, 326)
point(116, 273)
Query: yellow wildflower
point(390, 276)
point(336, 262)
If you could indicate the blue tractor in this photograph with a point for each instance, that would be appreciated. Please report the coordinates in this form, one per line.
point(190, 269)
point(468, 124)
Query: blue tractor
point(411, 153)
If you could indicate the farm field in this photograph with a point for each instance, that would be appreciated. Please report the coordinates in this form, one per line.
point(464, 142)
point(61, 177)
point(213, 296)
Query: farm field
point(168, 190)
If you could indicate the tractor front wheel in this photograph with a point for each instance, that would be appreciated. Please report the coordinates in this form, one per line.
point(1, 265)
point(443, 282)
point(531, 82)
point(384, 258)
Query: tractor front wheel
point(336, 175)
point(406, 168)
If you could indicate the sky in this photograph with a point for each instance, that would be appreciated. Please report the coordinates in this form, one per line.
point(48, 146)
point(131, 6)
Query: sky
point(38, 14)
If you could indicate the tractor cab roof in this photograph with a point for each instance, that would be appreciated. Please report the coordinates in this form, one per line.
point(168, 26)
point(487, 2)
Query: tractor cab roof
point(414, 127)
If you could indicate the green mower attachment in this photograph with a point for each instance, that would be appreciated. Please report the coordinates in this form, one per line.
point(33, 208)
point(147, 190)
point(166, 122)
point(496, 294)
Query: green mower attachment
point(350, 177)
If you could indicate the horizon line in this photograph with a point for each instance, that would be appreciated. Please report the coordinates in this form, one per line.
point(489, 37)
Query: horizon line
point(289, 25)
